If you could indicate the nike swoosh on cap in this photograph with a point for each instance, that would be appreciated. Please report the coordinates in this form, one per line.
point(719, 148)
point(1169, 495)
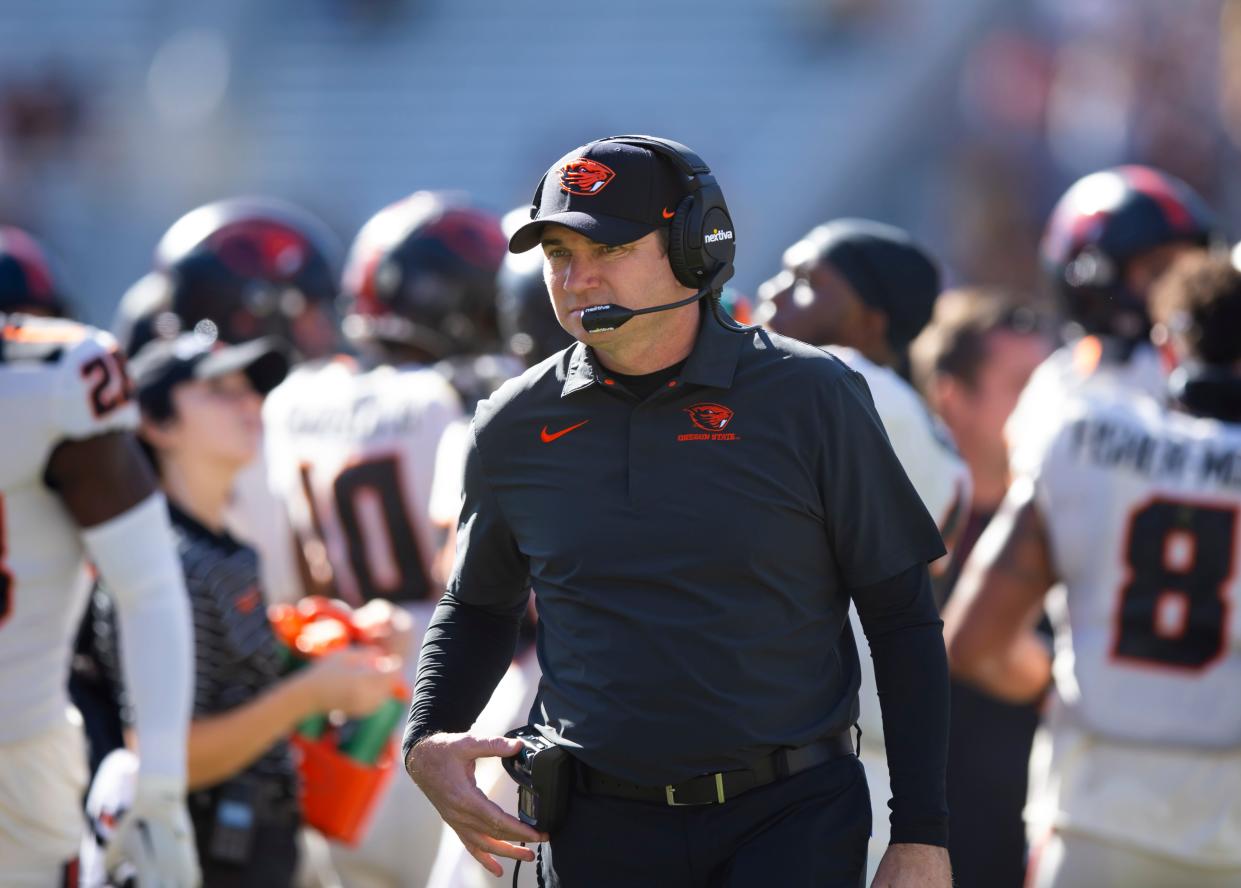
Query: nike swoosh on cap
point(664, 212)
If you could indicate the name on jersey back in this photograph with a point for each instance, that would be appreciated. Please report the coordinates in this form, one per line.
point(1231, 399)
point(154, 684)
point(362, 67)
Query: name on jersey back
point(1115, 445)
point(364, 418)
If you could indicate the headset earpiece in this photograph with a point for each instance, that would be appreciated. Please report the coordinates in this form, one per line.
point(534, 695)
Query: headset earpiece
point(713, 246)
point(701, 242)
point(686, 270)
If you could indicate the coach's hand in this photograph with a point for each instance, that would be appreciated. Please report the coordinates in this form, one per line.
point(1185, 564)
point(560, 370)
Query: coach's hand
point(443, 767)
point(908, 865)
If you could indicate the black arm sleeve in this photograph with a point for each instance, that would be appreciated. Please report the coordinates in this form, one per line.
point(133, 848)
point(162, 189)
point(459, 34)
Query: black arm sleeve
point(464, 655)
point(911, 672)
point(473, 634)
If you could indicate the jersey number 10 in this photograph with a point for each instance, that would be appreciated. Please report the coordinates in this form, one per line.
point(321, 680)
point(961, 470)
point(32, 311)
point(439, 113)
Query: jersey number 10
point(375, 486)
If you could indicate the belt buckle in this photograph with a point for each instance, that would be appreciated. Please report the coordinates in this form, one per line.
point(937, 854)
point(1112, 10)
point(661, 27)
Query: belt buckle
point(670, 794)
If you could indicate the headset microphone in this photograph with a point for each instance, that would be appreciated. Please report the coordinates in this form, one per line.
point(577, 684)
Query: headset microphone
point(601, 318)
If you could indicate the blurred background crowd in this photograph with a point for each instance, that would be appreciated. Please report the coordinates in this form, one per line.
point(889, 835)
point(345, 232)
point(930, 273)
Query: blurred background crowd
point(961, 122)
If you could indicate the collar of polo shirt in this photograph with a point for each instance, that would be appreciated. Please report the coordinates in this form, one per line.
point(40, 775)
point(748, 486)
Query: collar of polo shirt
point(712, 362)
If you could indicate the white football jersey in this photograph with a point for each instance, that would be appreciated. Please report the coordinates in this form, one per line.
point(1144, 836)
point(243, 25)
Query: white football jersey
point(258, 518)
point(1142, 507)
point(448, 490)
point(922, 443)
point(351, 454)
point(1141, 743)
point(59, 381)
point(1072, 372)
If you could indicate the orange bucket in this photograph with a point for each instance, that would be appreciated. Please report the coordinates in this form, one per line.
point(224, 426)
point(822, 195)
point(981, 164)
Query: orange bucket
point(339, 795)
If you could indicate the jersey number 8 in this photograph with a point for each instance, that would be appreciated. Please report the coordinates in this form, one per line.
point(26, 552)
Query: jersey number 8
point(1173, 607)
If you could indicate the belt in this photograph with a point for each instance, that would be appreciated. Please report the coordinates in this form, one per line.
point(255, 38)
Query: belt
point(715, 789)
point(272, 802)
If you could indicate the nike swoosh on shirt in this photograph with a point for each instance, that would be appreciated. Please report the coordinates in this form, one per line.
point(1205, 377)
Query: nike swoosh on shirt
point(548, 438)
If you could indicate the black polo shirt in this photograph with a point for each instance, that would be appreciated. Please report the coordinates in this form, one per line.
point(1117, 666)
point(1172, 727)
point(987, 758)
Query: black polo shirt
point(689, 551)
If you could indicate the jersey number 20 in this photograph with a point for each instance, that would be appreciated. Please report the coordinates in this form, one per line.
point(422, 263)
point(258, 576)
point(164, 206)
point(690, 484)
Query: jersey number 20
point(110, 386)
point(1173, 606)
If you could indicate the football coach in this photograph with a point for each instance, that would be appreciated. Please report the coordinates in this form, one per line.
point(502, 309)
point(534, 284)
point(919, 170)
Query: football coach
point(695, 505)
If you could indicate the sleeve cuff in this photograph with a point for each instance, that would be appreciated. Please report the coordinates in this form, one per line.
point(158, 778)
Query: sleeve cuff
point(928, 831)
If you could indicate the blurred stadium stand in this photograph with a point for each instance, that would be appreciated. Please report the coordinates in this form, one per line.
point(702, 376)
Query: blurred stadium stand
point(799, 107)
point(961, 121)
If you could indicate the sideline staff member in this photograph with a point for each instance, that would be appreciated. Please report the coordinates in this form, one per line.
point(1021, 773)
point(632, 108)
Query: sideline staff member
point(694, 504)
point(201, 426)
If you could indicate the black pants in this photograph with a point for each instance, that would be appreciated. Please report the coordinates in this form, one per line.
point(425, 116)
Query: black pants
point(808, 830)
point(988, 758)
point(272, 862)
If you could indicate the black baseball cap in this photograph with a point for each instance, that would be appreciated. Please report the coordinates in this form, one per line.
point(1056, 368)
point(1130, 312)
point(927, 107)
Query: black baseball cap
point(610, 192)
point(163, 364)
point(886, 269)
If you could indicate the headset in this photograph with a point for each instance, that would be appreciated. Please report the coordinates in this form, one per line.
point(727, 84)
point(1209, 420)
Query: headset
point(701, 240)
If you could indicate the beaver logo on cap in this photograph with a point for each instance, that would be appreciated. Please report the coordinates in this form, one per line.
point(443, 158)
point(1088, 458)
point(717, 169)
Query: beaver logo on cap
point(585, 177)
point(711, 417)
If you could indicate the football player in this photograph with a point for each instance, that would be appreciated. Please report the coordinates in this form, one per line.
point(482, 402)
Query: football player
point(529, 332)
point(351, 446)
point(1136, 509)
point(74, 485)
point(421, 277)
point(252, 267)
point(27, 284)
point(1109, 239)
point(865, 290)
point(237, 270)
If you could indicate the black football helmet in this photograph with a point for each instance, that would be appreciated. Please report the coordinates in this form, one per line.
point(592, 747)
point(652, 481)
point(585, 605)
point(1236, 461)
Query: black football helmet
point(27, 283)
point(252, 267)
point(1102, 223)
point(146, 313)
point(422, 273)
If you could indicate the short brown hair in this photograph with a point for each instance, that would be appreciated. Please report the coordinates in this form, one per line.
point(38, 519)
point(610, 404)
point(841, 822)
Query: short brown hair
point(954, 343)
point(1199, 300)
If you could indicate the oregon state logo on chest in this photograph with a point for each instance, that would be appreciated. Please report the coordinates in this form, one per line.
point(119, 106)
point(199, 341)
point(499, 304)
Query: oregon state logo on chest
point(713, 419)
